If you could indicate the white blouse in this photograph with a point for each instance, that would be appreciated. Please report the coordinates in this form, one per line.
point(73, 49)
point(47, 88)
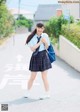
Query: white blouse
point(34, 40)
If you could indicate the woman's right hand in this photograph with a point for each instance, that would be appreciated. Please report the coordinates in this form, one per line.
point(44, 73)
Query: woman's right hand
point(33, 48)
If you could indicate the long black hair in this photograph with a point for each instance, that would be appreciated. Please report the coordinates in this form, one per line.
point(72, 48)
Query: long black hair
point(39, 25)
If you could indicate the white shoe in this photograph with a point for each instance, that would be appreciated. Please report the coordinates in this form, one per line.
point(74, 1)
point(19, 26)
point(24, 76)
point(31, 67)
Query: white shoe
point(27, 94)
point(45, 96)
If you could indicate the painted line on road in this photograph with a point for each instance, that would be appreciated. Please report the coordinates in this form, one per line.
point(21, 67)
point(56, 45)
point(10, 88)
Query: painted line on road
point(18, 79)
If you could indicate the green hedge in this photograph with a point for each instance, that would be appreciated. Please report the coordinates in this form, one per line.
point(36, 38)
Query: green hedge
point(23, 21)
point(72, 33)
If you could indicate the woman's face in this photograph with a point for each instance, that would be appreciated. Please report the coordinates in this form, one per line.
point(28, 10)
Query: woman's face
point(39, 30)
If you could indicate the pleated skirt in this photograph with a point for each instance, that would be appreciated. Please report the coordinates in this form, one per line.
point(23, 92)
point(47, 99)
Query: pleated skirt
point(40, 62)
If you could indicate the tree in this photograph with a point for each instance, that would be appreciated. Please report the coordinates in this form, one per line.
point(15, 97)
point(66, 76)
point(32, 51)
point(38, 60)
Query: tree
point(2, 1)
point(54, 25)
point(23, 21)
point(6, 21)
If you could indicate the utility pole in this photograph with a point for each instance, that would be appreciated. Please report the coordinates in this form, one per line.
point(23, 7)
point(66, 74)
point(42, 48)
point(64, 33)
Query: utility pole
point(19, 7)
point(79, 9)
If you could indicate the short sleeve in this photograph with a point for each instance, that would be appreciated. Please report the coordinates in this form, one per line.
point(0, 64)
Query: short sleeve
point(32, 42)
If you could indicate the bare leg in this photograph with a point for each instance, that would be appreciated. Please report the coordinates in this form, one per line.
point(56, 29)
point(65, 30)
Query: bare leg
point(46, 85)
point(31, 80)
point(45, 80)
point(30, 83)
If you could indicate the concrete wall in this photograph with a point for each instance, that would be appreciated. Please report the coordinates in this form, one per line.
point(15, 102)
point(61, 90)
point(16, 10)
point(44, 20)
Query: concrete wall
point(69, 53)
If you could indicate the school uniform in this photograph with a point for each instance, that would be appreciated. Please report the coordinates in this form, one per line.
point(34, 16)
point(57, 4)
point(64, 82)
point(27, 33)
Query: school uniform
point(39, 62)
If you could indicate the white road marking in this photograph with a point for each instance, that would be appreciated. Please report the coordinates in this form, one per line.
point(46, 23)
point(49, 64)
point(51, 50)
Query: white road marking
point(23, 67)
point(17, 67)
point(18, 79)
point(8, 67)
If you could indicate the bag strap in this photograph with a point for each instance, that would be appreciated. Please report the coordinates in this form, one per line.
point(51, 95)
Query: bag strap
point(37, 50)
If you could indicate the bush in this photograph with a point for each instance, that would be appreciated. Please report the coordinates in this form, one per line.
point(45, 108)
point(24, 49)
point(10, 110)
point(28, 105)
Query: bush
point(6, 21)
point(54, 25)
point(78, 23)
point(23, 21)
point(2, 1)
point(72, 33)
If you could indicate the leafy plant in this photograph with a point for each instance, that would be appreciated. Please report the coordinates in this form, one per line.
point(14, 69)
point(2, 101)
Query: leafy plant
point(2, 1)
point(72, 34)
point(6, 21)
point(23, 21)
point(54, 26)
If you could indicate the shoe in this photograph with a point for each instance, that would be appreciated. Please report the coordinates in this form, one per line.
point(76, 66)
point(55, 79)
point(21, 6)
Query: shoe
point(46, 96)
point(27, 94)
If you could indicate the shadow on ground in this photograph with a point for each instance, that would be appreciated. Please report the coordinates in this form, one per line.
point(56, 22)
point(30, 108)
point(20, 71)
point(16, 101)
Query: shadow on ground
point(21, 100)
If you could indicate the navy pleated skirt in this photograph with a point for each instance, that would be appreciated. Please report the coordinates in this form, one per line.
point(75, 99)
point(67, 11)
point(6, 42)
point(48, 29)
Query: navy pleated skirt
point(40, 62)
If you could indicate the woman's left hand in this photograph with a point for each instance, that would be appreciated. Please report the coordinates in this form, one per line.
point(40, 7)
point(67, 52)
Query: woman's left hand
point(43, 40)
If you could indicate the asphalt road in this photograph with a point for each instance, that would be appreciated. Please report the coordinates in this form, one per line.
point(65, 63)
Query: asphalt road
point(64, 82)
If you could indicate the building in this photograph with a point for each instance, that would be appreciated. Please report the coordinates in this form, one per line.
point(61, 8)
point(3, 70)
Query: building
point(73, 6)
point(46, 12)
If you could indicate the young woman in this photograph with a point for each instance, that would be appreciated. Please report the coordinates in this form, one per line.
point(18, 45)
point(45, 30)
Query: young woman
point(39, 42)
